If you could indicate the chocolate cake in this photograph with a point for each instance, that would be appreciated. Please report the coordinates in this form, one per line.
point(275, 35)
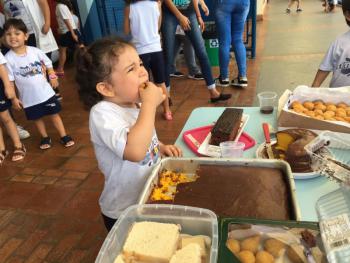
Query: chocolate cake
point(290, 147)
point(236, 191)
point(227, 126)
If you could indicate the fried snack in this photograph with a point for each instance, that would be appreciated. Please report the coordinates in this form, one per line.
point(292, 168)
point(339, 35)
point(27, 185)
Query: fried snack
point(318, 112)
point(348, 113)
point(329, 119)
point(342, 105)
point(274, 246)
point(319, 117)
point(329, 114)
point(340, 112)
point(246, 256)
point(264, 257)
point(295, 253)
point(339, 118)
point(299, 111)
point(331, 107)
point(233, 245)
point(347, 119)
point(308, 105)
point(316, 102)
point(296, 104)
point(310, 113)
point(251, 244)
point(308, 237)
point(321, 107)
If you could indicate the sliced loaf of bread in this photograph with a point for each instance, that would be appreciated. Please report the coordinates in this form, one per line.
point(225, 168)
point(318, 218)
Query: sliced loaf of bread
point(151, 242)
point(190, 253)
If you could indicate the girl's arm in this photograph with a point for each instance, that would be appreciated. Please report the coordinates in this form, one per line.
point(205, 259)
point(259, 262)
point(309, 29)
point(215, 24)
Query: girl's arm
point(198, 14)
point(204, 7)
point(319, 78)
point(8, 87)
point(183, 20)
point(140, 135)
point(160, 11)
point(45, 9)
point(126, 20)
point(71, 30)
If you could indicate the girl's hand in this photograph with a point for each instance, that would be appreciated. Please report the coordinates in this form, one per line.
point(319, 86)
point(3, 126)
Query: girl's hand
point(150, 93)
point(17, 104)
point(54, 83)
point(185, 22)
point(170, 150)
point(45, 29)
point(201, 23)
point(75, 37)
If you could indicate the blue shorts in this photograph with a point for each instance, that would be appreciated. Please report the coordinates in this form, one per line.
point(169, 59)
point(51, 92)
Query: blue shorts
point(5, 103)
point(154, 62)
point(49, 107)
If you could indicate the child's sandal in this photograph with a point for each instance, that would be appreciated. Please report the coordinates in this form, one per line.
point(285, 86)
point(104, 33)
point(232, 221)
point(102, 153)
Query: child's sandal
point(19, 153)
point(45, 143)
point(3, 155)
point(67, 141)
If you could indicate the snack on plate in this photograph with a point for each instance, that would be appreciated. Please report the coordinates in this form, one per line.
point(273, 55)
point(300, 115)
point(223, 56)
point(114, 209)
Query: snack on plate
point(233, 245)
point(246, 256)
point(321, 110)
point(199, 240)
point(190, 253)
point(119, 259)
point(151, 241)
point(251, 244)
point(295, 253)
point(274, 247)
point(290, 147)
point(227, 126)
point(264, 257)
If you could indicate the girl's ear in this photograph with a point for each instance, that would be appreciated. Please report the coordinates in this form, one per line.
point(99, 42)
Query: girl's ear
point(105, 89)
point(26, 36)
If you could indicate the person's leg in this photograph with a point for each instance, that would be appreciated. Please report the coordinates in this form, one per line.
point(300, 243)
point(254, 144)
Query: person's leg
point(58, 123)
point(299, 6)
point(61, 60)
point(40, 125)
point(190, 57)
point(169, 24)
point(11, 128)
point(223, 26)
point(3, 151)
point(239, 16)
point(177, 45)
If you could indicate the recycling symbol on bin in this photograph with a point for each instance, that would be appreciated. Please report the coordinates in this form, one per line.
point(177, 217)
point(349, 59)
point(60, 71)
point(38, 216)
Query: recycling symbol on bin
point(213, 43)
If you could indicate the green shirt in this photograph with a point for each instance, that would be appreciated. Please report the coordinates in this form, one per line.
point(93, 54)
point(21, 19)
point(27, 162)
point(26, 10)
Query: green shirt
point(182, 4)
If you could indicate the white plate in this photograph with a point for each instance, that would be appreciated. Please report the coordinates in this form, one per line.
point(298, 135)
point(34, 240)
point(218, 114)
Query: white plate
point(213, 150)
point(259, 154)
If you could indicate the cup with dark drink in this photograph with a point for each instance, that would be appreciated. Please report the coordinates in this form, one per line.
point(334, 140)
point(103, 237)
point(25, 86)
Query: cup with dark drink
point(267, 100)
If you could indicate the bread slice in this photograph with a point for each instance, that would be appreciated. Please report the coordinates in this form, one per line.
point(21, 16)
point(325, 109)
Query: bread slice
point(190, 253)
point(185, 241)
point(151, 242)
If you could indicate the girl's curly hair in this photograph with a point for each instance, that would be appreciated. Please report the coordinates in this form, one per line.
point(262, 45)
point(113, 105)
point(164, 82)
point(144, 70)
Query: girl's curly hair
point(94, 64)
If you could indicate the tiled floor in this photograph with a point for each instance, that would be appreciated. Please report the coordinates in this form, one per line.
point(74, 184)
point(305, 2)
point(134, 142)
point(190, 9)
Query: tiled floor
point(49, 203)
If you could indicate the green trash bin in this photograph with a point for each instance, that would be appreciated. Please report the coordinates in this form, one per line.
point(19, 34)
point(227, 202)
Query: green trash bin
point(212, 47)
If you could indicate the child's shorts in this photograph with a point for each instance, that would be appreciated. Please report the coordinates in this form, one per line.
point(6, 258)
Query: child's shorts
point(5, 103)
point(154, 62)
point(49, 107)
point(66, 40)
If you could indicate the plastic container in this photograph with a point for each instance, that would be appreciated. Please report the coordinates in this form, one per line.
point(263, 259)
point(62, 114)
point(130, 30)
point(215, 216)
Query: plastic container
point(225, 255)
point(330, 156)
point(232, 149)
point(193, 221)
point(332, 209)
point(267, 101)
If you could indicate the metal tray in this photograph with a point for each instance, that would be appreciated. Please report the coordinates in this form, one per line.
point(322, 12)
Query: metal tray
point(190, 166)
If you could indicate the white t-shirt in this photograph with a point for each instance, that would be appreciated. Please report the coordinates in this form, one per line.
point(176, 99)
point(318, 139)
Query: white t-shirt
point(144, 17)
point(124, 180)
point(2, 59)
point(63, 13)
point(337, 60)
point(28, 73)
point(16, 9)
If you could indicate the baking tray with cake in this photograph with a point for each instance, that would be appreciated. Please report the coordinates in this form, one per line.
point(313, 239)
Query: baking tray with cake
point(251, 188)
point(289, 146)
point(251, 240)
point(162, 233)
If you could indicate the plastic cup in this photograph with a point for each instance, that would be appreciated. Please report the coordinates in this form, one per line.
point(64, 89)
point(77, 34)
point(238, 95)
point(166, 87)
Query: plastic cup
point(232, 149)
point(267, 101)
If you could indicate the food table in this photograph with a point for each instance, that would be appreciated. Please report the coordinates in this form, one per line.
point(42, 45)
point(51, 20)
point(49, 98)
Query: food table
point(307, 190)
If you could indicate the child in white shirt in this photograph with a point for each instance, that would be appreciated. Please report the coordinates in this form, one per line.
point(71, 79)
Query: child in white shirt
point(27, 67)
point(337, 58)
point(115, 84)
point(69, 35)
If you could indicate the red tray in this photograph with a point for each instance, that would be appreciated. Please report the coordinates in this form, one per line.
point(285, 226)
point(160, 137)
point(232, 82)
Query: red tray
point(194, 138)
